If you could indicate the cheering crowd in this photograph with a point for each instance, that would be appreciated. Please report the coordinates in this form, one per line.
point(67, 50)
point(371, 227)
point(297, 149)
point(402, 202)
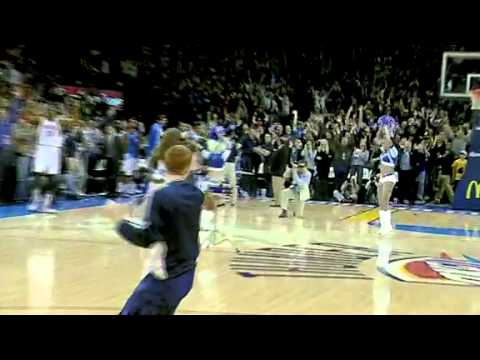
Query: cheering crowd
point(278, 123)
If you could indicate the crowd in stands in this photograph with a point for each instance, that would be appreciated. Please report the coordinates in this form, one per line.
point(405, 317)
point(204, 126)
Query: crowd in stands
point(280, 107)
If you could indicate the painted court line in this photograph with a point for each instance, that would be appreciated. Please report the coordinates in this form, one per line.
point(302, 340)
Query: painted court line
point(475, 233)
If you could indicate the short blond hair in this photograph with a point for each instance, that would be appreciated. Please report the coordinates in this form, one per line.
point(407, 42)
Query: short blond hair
point(178, 160)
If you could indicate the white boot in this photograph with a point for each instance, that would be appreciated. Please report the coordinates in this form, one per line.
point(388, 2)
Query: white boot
point(382, 221)
point(36, 201)
point(47, 204)
point(385, 222)
point(388, 221)
point(263, 194)
point(384, 250)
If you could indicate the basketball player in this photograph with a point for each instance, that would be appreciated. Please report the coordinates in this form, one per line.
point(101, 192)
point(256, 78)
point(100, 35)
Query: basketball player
point(388, 178)
point(47, 164)
point(175, 223)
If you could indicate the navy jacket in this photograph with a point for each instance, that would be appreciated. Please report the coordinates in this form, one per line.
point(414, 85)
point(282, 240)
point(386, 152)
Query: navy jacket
point(175, 219)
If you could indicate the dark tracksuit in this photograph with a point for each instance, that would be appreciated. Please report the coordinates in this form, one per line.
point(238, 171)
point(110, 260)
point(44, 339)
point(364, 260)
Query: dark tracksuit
point(175, 220)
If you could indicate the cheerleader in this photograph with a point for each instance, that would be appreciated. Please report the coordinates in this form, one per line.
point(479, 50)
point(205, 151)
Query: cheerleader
point(388, 178)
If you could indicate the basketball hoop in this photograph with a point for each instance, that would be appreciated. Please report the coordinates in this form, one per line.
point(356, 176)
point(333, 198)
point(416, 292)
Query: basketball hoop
point(475, 96)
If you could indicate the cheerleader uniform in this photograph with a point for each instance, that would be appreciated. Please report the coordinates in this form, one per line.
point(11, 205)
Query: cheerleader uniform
point(387, 158)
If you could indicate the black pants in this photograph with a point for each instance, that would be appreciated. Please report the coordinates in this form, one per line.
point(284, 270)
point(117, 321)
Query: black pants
point(92, 163)
point(406, 185)
point(341, 175)
point(8, 174)
point(158, 297)
point(112, 175)
point(321, 190)
point(268, 179)
point(251, 162)
point(248, 183)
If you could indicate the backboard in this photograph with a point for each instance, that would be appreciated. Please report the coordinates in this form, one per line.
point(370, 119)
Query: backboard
point(460, 74)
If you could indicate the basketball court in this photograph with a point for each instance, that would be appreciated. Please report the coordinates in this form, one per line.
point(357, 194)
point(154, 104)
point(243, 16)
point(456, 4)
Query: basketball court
point(75, 263)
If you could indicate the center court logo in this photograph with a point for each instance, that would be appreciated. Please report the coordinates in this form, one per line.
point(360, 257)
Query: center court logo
point(433, 270)
point(473, 188)
point(315, 260)
point(342, 261)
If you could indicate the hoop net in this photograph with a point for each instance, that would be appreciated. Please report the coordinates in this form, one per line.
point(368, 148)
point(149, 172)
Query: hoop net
point(475, 96)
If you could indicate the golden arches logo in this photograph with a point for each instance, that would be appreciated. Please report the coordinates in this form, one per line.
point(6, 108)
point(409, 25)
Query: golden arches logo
point(471, 186)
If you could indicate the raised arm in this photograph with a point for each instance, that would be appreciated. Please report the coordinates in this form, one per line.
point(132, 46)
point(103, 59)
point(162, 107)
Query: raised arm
point(349, 113)
point(295, 119)
point(302, 181)
point(360, 115)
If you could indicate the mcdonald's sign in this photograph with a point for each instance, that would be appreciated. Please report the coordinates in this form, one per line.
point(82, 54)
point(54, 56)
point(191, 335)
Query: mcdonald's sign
point(473, 187)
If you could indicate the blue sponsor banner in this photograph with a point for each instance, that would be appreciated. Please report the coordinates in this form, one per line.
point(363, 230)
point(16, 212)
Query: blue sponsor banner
point(467, 194)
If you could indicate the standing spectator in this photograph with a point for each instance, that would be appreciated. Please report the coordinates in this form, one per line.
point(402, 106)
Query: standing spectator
point(92, 137)
point(8, 117)
point(296, 154)
point(445, 162)
point(267, 151)
point(406, 178)
point(341, 162)
point(323, 162)
point(458, 168)
point(251, 159)
point(130, 164)
point(360, 158)
point(156, 132)
point(433, 165)
point(278, 165)
point(24, 138)
point(459, 142)
point(308, 154)
point(419, 163)
point(230, 171)
point(73, 160)
point(113, 154)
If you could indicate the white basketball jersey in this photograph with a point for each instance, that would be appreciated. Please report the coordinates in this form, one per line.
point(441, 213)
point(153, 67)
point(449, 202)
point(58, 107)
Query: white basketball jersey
point(49, 134)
